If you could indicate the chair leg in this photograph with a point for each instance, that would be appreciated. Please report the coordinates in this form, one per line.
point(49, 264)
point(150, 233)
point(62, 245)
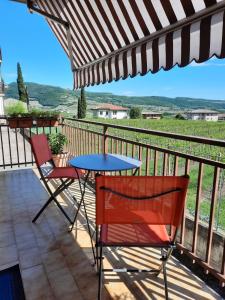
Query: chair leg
point(96, 248)
point(165, 280)
point(75, 217)
point(100, 275)
point(44, 207)
point(165, 257)
point(82, 191)
point(41, 210)
point(63, 211)
point(63, 186)
point(167, 254)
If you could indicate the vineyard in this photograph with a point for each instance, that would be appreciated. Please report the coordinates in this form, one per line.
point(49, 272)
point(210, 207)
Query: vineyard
point(213, 130)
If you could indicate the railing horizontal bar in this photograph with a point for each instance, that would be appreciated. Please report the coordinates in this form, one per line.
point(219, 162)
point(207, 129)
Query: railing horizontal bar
point(190, 138)
point(180, 154)
point(165, 150)
point(86, 130)
point(16, 164)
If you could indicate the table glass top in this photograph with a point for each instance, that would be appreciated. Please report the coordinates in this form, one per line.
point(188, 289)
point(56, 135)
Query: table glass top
point(104, 162)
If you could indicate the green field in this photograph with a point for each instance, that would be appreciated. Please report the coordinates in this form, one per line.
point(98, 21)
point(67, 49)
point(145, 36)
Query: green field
point(215, 130)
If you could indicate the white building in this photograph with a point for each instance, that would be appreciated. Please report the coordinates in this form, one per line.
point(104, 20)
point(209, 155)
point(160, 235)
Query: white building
point(151, 115)
point(203, 114)
point(109, 111)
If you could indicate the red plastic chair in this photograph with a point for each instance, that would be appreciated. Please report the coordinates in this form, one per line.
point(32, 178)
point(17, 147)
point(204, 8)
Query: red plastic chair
point(67, 175)
point(135, 211)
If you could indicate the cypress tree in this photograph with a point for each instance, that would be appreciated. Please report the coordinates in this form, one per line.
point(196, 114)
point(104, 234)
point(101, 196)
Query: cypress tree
point(27, 98)
point(82, 105)
point(23, 96)
point(79, 109)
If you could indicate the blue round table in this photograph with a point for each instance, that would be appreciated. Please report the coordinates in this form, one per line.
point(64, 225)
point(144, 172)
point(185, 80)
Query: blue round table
point(105, 162)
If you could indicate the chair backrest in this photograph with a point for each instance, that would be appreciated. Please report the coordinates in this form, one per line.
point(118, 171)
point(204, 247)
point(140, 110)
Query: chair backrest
point(140, 199)
point(41, 150)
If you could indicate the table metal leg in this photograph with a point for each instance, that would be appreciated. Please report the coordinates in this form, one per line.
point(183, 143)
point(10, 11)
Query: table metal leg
point(85, 211)
point(135, 171)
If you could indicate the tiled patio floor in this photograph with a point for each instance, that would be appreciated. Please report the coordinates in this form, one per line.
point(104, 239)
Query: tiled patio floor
point(56, 264)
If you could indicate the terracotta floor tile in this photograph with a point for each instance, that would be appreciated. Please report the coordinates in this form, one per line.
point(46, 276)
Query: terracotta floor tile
point(7, 238)
point(26, 241)
point(29, 258)
point(53, 261)
point(57, 265)
point(8, 254)
point(35, 282)
point(62, 283)
point(47, 243)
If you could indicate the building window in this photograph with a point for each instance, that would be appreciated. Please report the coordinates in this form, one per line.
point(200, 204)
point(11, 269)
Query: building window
point(106, 113)
point(101, 113)
point(114, 113)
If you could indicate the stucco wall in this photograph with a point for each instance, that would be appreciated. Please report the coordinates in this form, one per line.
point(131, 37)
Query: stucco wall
point(108, 114)
point(203, 117)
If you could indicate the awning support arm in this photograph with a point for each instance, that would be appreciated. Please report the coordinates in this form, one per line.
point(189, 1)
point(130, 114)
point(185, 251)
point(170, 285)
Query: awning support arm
point(33, 8)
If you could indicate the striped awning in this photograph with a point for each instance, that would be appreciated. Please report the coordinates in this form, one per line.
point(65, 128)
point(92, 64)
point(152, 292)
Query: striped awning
point(111, 39)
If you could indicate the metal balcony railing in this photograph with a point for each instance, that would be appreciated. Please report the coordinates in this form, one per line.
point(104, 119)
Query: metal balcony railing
point(15, 149)
point(202, 234)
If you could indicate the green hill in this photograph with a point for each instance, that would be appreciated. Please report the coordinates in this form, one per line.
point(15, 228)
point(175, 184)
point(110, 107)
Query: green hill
point(53, 96)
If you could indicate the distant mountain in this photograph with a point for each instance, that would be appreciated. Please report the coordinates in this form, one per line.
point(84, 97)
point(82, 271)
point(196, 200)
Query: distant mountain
point(53, 96)
point(45, 94)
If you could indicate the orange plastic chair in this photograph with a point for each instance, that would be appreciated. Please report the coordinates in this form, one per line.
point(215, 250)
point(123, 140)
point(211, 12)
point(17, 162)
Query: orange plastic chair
point(135, 211)
point(67, 175)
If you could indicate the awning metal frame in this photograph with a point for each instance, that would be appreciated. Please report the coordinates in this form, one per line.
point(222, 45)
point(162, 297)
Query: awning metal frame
point(32, 8)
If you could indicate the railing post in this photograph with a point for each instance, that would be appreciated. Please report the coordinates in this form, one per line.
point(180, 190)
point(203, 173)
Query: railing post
point(105, 139)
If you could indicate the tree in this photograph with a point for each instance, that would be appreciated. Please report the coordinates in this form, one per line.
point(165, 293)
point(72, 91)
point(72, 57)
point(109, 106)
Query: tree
point(23, 95)
point(79, 108)
point(179, 117)
point(82, 105)
point(27, 96)
point(135, 113)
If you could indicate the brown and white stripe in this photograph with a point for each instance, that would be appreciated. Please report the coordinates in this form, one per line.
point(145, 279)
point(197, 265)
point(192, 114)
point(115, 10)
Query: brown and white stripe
point(113, 39)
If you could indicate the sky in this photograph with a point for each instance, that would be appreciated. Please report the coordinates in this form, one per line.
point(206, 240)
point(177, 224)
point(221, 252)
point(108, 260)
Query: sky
point(27, 38)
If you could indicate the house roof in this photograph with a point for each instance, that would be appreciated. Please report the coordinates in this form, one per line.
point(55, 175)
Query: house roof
point(110, 107)
point(202, 111)
point(110, 40)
